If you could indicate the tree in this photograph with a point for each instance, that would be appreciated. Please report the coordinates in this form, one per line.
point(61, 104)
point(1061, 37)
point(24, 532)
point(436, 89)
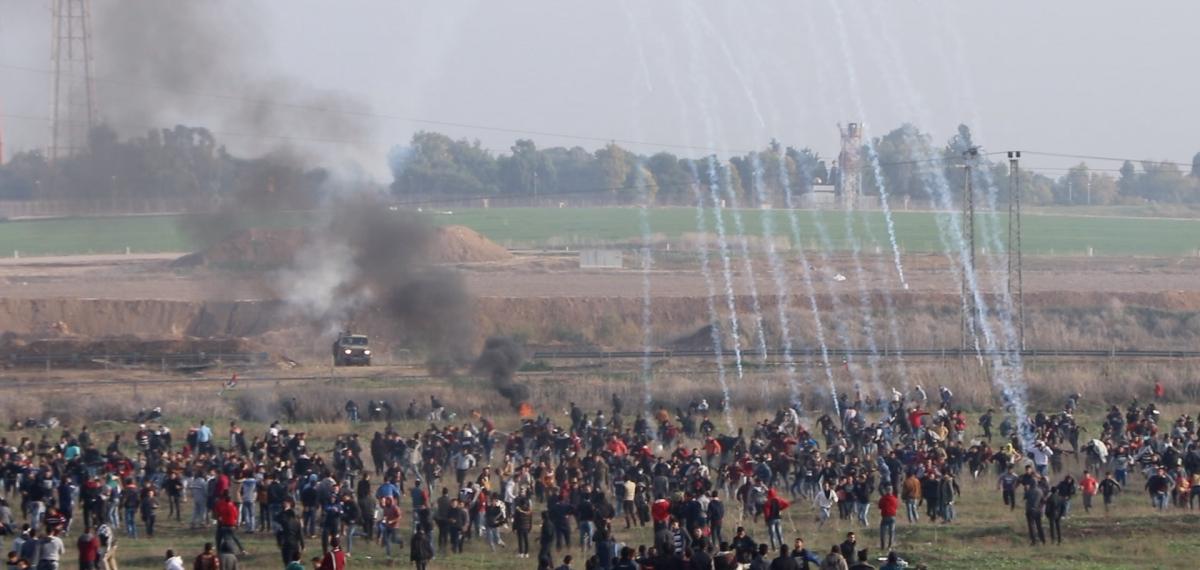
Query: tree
point(21, 178)
point(613, 165)
point(1072, 188)
point(1129, 186)
point(642, 188)
point(671, 177)
point(1196, 165)
point(1164, 182)
point(809, 169)
point(526, 170)
point(436, 164)
point(904, 160)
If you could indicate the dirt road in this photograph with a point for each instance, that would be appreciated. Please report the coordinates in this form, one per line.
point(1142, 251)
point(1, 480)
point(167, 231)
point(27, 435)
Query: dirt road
point(139, 277)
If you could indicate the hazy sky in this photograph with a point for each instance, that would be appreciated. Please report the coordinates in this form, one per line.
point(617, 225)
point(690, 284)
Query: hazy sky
point(1113, 78)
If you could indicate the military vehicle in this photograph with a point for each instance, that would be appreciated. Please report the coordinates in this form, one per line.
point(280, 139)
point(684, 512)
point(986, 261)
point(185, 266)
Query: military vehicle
point(351, 350)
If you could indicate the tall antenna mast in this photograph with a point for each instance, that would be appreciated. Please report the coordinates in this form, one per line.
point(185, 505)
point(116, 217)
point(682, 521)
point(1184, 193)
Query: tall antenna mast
point(1016, 281)
point(73, 110)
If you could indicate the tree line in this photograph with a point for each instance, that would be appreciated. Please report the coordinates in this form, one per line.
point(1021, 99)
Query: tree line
point(188, 163)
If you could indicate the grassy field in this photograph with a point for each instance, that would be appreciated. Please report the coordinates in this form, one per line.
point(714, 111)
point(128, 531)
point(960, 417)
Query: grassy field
point(1049, 233)
point(987, 535)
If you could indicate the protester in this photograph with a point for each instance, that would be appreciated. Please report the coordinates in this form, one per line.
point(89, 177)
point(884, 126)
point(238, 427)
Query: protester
point(673, 472)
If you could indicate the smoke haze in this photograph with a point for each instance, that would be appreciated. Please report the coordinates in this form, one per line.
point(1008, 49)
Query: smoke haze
point(198, 59)
point(499, 361)
point(365, 256)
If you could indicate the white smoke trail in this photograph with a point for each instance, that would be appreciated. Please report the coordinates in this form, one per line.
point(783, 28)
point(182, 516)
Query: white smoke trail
point(698, 73)
point(714, 185)
point(1005, 364)
point(706, 270)
point(760, 334)
point(856, 96)
point(646, 251)
point(806, 277)
point(779, 275)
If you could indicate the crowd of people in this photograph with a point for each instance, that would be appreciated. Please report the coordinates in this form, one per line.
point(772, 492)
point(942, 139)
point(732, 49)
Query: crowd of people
point(559, 490)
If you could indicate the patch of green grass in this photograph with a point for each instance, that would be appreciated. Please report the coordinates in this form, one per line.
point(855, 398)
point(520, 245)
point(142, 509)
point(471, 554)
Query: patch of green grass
point(916, 232)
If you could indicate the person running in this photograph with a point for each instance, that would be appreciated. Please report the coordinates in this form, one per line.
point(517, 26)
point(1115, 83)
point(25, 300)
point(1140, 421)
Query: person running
point(1109, 487)
point(420, 550)
point(1088, 486)
point(1035, 502)
point(1007, 483)
point(1056, 508)
point(1159, 487)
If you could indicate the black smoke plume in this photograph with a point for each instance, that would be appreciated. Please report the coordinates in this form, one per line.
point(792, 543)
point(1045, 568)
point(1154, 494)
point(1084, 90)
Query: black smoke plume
point(369, 259)
point(199, 63)
point(499, 361)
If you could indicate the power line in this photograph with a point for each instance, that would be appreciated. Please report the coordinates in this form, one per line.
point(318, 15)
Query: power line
point(221, 133)
point(375, 115)
point(1107, 158)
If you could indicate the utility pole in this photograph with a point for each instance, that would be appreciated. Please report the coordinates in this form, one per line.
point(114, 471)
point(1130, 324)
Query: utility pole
point(73, 90)
point(968, 229)
point(1016, 284)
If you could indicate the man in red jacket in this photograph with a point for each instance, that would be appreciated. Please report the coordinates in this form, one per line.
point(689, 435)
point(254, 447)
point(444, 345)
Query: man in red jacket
point(888, 505)
point(226, 513)
point(773, 513)
point(89, 549)
point(335, 559)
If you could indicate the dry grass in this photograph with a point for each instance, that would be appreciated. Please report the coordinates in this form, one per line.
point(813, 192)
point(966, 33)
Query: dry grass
point(670, 384)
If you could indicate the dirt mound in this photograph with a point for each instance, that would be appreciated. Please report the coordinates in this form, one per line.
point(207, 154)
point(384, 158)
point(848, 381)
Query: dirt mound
point(129, 345)
point(699, 340)
point(266, 248)
point(460, 244)
point(252, 248)
point(127, 351)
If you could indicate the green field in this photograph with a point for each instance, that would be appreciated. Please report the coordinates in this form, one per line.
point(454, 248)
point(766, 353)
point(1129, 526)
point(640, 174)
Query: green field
point(916, 232)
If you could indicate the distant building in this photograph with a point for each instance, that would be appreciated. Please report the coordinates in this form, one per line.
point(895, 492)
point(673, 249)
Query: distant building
point(601, 259)
point(820, 196)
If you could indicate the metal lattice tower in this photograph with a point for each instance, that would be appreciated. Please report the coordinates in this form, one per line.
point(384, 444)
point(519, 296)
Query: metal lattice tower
point(850, 163)
point(1016, 278)
point(73, 110)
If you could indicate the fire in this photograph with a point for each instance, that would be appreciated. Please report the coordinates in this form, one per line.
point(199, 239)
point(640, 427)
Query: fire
point(525, 410)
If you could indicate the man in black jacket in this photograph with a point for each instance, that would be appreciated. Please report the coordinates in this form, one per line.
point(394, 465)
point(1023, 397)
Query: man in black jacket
point(290, 536)
point(716, 517)
point(744, 546)
point(849, 546)
point(785, 561)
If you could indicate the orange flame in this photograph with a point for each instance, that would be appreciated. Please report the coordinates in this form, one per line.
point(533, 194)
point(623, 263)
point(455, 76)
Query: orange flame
point(525, 410)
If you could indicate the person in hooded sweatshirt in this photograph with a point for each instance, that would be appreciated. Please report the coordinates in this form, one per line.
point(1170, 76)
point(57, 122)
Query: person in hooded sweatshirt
point(773, 513)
